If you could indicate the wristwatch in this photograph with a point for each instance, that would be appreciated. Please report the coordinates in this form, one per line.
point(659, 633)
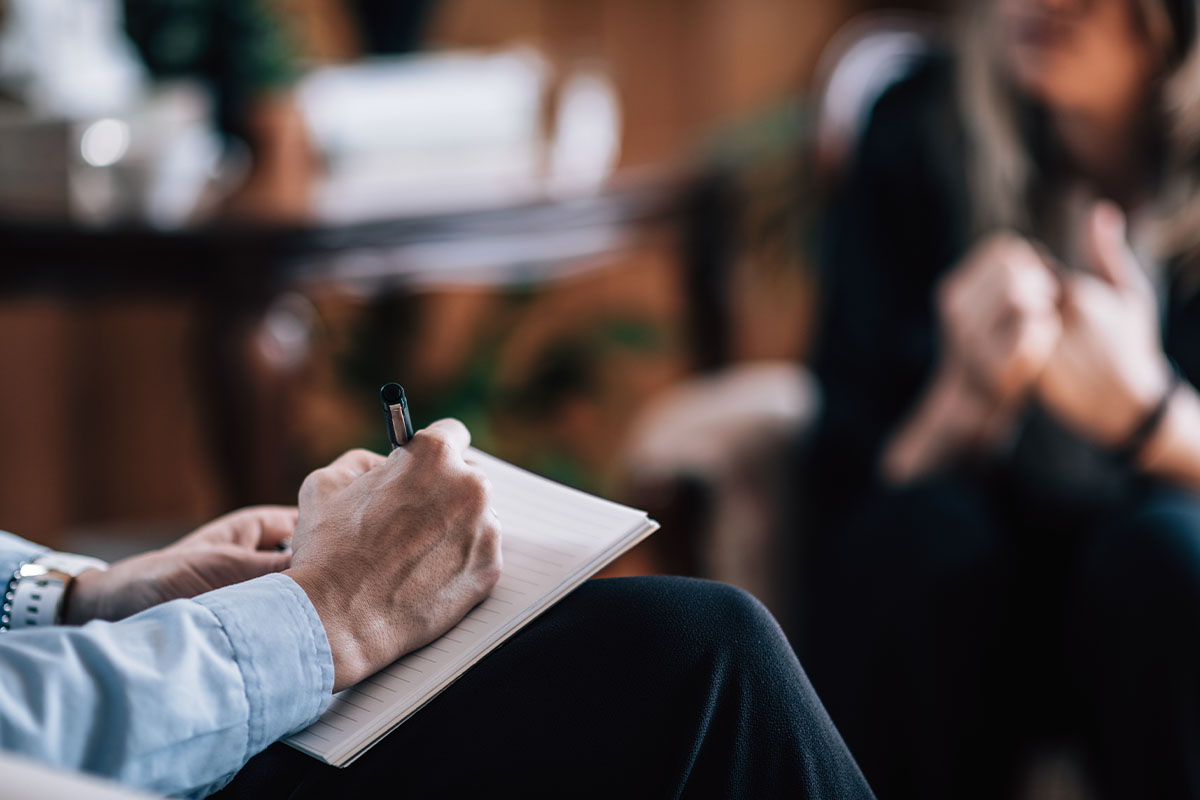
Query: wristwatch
point(38, 588)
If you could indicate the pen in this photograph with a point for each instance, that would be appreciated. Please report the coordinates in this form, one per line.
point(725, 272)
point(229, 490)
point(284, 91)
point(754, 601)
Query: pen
point(395, 414)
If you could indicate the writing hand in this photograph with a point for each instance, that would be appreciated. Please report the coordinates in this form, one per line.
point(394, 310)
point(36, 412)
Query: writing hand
point(394, 551)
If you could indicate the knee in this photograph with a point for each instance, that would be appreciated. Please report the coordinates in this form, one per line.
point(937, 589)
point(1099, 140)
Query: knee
point(1150, 561)
point(726, 644)
point(697, 620)
point(704, 607)
point(738, 622)
point(1159, 542)
point(1134, 619)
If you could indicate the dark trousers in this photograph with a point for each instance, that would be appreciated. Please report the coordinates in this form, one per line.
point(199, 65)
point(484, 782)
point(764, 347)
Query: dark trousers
point(952, 633)
point(629, 688)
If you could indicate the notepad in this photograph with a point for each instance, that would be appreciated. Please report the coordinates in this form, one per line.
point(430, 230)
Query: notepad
point(553, 539)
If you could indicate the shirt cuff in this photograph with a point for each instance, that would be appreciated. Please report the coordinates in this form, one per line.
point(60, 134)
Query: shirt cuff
point(15, 551)
point(282, 651)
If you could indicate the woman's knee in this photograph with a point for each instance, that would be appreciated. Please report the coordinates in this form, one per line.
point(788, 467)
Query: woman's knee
point(1145, 568)
point(1134, 630)
point(1158, 545)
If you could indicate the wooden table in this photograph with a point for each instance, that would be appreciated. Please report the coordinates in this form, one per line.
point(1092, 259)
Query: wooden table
point(233, 273)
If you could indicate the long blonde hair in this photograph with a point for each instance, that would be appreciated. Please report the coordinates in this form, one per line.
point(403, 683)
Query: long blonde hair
point(1010, 190)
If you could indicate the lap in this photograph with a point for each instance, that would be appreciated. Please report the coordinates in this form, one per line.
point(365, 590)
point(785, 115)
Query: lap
point(1156, 539)
point(627, 687)
point(1134, 648)
point(1137, 588)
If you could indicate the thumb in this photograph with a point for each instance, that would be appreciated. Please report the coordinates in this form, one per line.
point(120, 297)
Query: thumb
point(1107, 251)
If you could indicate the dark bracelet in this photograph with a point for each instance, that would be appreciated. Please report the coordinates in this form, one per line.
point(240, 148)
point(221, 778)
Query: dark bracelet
point(1129, 452)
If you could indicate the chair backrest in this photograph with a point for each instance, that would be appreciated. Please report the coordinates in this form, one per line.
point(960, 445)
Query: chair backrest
point(864, 58)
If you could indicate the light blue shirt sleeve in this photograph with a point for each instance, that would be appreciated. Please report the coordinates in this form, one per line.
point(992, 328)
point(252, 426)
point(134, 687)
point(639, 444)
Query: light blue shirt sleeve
point(15, 551)
point(173, 700)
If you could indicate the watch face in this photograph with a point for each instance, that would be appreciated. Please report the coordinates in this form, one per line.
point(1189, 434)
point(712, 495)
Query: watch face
point(70, 563)
point(32, 570)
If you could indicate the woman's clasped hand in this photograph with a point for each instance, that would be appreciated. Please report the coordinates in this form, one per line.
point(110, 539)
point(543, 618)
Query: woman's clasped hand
point(1083, 342)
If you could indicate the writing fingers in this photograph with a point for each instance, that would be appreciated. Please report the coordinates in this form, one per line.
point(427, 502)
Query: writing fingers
point(448, 433)
point(275, 524)
point(341, 472)
point(356, 462)
point(256, 527)
point(264, 562)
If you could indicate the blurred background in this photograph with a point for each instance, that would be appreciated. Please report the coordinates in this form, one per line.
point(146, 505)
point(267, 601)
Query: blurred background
point(592, 231)
point(225, 224)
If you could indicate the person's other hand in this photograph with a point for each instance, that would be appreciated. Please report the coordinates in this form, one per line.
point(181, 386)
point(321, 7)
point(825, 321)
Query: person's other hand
point(1000, 320)
point(395, 551)
point(231, 549)
point(998, 311)
point(1108, 370)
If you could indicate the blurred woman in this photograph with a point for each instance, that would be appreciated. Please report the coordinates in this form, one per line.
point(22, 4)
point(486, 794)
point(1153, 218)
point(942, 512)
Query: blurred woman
point(1010, 553)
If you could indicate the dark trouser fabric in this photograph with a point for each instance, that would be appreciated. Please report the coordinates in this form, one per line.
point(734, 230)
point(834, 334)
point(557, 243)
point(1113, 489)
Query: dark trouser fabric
point(1134, 649)
point(952, 635)
point(628, 688)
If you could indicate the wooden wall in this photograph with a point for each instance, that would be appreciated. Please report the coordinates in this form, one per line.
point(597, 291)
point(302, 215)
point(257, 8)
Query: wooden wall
point(680, 65)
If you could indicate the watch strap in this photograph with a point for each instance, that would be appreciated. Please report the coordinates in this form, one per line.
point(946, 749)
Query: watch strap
point(37, 597)
point(37, 590)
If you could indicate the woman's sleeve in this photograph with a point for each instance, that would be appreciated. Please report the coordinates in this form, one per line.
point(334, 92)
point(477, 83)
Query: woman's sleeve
point(892, 229)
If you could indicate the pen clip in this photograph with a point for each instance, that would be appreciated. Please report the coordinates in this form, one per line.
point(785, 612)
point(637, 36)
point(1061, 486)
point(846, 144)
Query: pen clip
point(395, 414)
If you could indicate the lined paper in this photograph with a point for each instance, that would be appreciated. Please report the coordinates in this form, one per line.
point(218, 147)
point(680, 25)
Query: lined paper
point(553, 538)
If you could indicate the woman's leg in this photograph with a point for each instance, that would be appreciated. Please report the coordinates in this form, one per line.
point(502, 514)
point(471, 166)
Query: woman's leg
point(642, 687)
point(907, 619)
point(1135, 650)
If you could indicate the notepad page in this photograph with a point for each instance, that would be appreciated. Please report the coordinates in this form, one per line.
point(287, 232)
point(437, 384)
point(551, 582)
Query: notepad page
point(553, 538)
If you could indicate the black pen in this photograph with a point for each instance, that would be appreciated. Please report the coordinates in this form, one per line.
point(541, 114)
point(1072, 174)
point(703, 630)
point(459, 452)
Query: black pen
point(395, 414)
